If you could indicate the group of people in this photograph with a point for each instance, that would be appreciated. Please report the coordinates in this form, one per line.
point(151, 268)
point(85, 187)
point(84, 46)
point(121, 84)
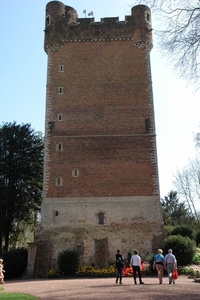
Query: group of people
point(135, 263)
point(167, 262)
point(1, 272)
point(160, 263)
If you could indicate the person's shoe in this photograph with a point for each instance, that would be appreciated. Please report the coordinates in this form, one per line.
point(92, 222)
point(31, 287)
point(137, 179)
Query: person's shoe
point(120, 282)
point(141, 282)
point(173, 282)
point(170, 282)
point(116, 281)
point(160, 282)
point(135, 282)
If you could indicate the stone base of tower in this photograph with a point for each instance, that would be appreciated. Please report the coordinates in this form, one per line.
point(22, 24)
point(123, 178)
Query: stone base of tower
point(128, 223)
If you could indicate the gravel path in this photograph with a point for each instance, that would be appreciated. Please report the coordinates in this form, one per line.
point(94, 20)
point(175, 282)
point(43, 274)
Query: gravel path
point(106, 289)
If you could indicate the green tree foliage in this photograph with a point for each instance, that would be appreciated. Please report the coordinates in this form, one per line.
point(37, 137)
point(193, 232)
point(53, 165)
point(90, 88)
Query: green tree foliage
point(21, 169)
point(23, 232)
point(198, 238)
point(196, 259)
point(168, 229)
point(184, 230)
point(183, 248)
point(176, 213)
point(150, 259)
point(68, 262)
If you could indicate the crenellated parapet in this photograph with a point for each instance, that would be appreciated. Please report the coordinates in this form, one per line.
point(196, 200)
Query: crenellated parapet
point(63, 25)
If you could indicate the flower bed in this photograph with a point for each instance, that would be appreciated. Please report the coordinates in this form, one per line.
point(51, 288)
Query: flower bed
point(89, 271)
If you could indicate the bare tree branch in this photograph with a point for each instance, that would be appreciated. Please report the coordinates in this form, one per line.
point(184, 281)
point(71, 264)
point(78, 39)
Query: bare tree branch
point(187, 183)
point(178, 31)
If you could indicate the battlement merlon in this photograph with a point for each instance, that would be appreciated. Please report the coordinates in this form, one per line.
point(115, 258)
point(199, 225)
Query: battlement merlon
point(63, 25)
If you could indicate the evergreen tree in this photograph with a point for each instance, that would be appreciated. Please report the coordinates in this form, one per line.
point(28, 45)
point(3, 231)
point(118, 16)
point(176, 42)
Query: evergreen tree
point(21, 165)
point(175, 213)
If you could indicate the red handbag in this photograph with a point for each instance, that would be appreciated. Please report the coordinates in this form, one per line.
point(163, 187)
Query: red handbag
point(175, 274)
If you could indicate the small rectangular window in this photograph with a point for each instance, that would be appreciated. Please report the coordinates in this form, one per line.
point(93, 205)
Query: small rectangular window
point(60, 117)
point(147, 124)
point(60, 90)
point(148, 17)
point(59, 147)
point(61, 68)
point(47, 20)
point(58, 181)
point(101, 218)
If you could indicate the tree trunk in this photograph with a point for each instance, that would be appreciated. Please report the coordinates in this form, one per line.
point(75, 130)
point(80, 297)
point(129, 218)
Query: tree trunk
point(7, 235)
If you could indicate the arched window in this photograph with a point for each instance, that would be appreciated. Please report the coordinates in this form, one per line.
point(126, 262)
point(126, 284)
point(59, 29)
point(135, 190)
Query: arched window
point(75, 173)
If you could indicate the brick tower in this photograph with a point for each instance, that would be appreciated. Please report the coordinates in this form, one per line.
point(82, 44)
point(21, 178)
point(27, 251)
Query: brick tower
point(101, 189)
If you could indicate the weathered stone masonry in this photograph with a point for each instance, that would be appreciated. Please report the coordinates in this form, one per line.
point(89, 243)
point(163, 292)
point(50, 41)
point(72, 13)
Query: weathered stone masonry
point(101, 189)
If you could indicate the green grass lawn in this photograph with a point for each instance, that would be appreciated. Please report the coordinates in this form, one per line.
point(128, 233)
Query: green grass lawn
point(16, 296)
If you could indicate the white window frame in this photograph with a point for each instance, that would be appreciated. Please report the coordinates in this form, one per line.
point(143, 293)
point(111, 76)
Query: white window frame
point(58, 181)
point(61, 68)
point(59, 147)
point(75, 173)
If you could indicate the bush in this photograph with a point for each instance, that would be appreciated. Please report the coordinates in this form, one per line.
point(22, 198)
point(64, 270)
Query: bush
point(183, 248)
point(198, 250)
point(150, 260)
point(15, 262)
point(68, 262)
point(198, 238)
point(196, 259)
point(184, 230)
point(186, 271)
point(168, 230)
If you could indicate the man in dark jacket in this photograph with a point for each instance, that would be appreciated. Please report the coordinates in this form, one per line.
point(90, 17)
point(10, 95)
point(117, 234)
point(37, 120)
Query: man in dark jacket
point(119, 266)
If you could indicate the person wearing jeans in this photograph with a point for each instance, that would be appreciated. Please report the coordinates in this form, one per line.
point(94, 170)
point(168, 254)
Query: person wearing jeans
point(171, 265)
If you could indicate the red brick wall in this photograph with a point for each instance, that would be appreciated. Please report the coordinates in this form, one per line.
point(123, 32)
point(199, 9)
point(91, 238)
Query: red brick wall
point(107, 97)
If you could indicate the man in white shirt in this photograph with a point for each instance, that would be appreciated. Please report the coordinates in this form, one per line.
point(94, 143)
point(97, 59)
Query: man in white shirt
point(135, 262)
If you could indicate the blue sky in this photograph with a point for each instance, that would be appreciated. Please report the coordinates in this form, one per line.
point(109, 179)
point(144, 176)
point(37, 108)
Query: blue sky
point(23, 80)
